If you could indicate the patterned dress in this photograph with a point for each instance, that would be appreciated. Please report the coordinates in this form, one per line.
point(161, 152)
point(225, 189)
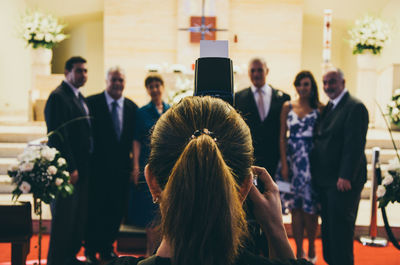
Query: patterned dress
point(298, 147)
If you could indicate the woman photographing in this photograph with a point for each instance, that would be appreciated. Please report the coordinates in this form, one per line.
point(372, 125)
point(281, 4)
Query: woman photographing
point(199, 171)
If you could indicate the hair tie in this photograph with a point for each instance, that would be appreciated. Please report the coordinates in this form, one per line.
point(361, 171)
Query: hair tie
point(197, 133)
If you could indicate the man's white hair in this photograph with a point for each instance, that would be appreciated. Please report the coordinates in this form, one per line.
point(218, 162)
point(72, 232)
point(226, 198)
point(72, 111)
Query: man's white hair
point(336, 70)
point(258, 59)
point(115, 69)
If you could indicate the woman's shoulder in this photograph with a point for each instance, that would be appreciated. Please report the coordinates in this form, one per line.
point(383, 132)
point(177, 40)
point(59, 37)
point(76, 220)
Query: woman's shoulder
point(146, 107)
point(125, 261)
point(287, 106)
point(247, 258)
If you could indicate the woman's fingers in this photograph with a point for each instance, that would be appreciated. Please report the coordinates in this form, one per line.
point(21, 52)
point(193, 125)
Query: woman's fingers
point(263, 176)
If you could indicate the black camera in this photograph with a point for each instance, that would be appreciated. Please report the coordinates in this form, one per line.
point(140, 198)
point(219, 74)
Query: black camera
point(214, 77)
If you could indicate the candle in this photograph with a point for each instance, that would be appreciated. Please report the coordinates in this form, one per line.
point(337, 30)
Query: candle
point(326, 52)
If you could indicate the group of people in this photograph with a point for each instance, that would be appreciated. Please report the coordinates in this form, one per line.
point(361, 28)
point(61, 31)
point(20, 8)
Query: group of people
point(98, 135)
point(318, 149)
point(196, 162)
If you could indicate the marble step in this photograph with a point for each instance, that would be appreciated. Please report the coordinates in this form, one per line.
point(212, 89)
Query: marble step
point(5, 184)
point(381, 138)
point(385, 155)
point(5, 164)
point(21, 133)
point(11, 150)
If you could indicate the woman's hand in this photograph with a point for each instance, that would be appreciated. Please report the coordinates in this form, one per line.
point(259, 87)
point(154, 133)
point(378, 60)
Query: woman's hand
point(268, 212)
point(74, 176)
point(267, 206)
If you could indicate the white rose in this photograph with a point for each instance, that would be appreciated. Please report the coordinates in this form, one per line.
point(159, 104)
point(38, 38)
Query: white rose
point(380, 192)
point(51, 170)
point(27, 36)
point(26, 167)
point(59, 37)
point(61, 161)
point(393, 164)
point(397, 92)
point(395, 111)
point(49, 153)
point(66, 173)
point(25, 187)
point(59, 181)
point(387, 180)
point(39, 36)
point(48, 37)
point(392, 104)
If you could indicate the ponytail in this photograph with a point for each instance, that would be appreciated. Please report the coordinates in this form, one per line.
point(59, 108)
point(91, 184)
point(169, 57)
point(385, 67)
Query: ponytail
point(202, 217)
point(201, 211)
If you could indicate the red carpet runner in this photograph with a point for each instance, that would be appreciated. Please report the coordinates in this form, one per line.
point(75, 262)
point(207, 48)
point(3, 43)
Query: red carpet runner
point(363, 255)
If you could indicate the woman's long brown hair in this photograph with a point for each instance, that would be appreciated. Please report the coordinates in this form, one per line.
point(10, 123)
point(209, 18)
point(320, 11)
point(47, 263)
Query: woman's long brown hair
point(201, 211)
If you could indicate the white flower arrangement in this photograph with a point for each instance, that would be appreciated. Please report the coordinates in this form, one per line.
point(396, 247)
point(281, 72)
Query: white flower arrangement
point(389, 190)
point(183, 88)
point(369, 34)
point(41, 171)
point(394, 108)
point(42, 30)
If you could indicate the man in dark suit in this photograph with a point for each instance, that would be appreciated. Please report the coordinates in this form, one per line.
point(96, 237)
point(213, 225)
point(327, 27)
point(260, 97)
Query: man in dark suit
point(113, 130)
point(63, 110)
point(338, 167)
point(260, 106)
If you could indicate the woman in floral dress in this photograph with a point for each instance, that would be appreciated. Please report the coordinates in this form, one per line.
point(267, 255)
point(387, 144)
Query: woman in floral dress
point(298, 118)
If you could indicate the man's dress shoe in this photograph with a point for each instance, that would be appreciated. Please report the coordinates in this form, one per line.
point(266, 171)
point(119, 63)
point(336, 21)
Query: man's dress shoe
point(91, 259)
point(108, 255)
point(74, 261)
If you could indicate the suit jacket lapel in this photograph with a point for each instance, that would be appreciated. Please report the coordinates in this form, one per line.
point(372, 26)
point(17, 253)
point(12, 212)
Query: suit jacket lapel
point(68, 90)
point(329, 115)
point(124, 119)
point(252, 104)
point(274, 102)
point(107, 115)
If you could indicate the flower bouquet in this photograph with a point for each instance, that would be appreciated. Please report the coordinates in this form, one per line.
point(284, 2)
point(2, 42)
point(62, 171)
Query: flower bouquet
point(42, 30)
point(394, 108)
point(369, 34)
point(389, 190)
point(43, 172)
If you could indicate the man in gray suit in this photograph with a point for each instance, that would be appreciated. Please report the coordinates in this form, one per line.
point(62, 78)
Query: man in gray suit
point(339, 167)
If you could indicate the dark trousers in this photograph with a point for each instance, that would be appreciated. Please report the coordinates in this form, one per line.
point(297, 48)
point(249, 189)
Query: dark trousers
point(107, 205)
point(68, 224)
point(338, 214)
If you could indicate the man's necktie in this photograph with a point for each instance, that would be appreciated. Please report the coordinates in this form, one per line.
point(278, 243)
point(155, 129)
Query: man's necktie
point(260, 104)
point(83, 103)
point(328, 108)
point(114, 115)
point(86, 109)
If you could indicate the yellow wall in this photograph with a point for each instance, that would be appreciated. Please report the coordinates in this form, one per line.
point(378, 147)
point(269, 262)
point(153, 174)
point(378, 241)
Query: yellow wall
point(139, 32)
point(391, 53)
point(86, 40)
point(341, 52)
point(14, 64)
